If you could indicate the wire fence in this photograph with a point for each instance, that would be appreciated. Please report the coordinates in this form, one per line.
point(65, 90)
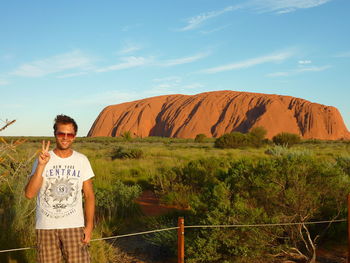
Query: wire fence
point(196, 226)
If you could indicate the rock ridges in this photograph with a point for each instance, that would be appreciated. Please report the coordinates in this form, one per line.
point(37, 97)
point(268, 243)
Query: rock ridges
point(218, 112)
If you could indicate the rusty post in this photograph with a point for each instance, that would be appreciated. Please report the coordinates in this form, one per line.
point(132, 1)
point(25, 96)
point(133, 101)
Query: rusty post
point(181, 240)
point(348, 228)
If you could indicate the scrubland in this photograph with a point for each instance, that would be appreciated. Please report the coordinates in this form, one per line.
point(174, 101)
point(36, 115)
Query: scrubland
point(209, 186)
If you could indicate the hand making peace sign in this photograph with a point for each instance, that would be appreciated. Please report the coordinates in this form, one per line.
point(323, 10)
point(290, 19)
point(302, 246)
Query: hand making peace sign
point(44, 156)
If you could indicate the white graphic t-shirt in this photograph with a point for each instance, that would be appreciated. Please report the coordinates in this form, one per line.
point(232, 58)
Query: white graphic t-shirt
point(59, 202)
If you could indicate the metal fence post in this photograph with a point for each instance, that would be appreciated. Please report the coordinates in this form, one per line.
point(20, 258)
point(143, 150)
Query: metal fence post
point(181, 240)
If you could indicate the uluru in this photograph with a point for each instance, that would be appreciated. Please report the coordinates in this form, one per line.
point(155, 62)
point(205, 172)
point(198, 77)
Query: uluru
point(219, 112)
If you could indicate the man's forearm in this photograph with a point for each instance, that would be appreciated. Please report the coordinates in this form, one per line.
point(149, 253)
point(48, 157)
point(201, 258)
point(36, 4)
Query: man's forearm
point(35, 182)
point(89, 197)
point(89, 211)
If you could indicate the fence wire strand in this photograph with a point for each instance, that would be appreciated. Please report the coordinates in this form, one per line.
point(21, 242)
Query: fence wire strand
point(196, 226)
point(274, 224)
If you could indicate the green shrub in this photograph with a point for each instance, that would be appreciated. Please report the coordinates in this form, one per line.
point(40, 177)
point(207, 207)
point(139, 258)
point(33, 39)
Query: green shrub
point(178, 185)
point(120, 152)
point(257, 136)
point(280, 150)
point(286, 139)
point(232, 140)
point(293, 186)
point(180, 196)
point(288, 188)
point(117, 201)
point(344, 163)
point(165, 241)
point(200, 137)
point(16, 212)
point(127, 135)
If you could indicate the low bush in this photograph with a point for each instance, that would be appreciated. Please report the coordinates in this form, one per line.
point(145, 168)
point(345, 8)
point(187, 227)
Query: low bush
point(126, 153)
point(232, 140)
point(280, 150)
point(178, 185)
point(286, 139)
point(287, 186)
point(200, 138)
point(344, 163)
point(127, 135)
point(117, 201)
point(257, 136)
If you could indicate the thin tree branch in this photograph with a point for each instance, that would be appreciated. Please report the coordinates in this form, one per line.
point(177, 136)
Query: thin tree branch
point(8, 123)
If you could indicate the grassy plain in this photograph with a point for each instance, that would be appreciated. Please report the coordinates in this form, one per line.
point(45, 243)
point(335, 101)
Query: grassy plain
point(125, 178)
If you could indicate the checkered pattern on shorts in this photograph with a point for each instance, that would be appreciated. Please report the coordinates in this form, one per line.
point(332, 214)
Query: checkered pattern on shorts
point(55, 244)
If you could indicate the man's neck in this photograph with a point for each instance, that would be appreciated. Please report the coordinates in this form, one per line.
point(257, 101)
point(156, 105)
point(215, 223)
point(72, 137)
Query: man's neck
point(63, 153)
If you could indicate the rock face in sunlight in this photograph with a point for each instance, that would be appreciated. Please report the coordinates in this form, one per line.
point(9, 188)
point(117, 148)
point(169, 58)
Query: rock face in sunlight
point(219, 112)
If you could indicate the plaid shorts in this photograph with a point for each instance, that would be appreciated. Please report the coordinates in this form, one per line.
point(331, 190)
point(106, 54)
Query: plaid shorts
point(55, 244)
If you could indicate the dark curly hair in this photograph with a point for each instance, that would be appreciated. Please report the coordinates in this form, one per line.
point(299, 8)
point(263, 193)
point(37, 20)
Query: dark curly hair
point(64, 119)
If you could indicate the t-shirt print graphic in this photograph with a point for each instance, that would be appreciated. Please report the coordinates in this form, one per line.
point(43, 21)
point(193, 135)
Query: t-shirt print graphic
point(59, 197)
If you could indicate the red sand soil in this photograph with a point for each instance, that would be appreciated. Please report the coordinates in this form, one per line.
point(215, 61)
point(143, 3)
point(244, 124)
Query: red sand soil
point(135, 249)
point(150, 205)
point(219, 112)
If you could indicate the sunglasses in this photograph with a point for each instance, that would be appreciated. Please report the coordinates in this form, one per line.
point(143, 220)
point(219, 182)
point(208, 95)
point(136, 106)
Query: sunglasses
point(65, 135)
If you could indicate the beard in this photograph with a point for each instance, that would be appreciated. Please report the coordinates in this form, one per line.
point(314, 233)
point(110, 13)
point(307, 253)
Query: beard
point(63, 145)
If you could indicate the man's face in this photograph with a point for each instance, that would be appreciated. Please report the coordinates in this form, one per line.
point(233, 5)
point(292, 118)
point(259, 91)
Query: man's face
point(65, 136)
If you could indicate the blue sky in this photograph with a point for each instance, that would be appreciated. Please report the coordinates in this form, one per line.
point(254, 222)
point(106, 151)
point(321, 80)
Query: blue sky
point(76, 57)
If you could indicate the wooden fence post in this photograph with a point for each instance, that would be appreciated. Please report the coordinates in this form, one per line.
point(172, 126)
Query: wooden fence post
point(181, 240)
point(348, 228)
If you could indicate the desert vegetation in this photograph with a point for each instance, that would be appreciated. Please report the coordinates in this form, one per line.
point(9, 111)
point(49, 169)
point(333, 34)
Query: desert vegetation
point(254, 138)
point(286, 139)
point(255, 183)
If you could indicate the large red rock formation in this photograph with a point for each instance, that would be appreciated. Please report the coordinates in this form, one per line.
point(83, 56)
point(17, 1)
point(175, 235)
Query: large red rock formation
point(219, 112)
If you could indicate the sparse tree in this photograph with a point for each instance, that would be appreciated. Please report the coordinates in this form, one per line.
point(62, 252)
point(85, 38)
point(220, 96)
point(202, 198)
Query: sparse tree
point(127, 135)
point(200, 137)
point(286, 139)
point(257, 135)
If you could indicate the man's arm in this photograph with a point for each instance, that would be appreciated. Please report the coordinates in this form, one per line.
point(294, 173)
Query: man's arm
point(89, 197)
point(36, 180)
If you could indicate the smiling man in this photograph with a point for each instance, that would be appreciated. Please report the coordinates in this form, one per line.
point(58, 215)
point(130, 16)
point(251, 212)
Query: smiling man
point(60, 179)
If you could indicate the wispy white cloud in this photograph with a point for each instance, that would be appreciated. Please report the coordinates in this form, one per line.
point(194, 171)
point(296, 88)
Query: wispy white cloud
point(172, 88)
point(165, 84)
point(171, 85)
point(55, 64)
point(192, 86)
point(70, 75)
point(129, 27)
point(298, 71)
point(167, 79)
point(183, 60)
point(303, 62)
point(7, 57)
point(206, 32)
point(102, 99)
point(313, 69)
point(276, 57)
point(279, 74)
point(106, 98)
point(4, 82)
point(345, 54)
point(284, 6)
point(12, 106)
point(127, 62)
point(198, 20)
point(129, 48)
